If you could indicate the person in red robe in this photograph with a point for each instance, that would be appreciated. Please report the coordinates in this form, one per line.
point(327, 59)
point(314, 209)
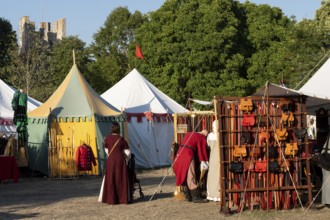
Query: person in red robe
point(192, 151)
point(116, 186)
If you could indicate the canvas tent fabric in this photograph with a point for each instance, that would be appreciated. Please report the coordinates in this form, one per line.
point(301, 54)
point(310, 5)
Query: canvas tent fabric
point(317, 86)
point(274, 90)
point(74, 114)
point(149, 140)
point(6, 112)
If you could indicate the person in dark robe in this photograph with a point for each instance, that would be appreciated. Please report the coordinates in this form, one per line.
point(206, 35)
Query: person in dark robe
point(116, 186)
point(192, 151)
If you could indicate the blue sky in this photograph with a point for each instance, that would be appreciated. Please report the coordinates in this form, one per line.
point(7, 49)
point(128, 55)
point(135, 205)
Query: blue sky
point(85, 17)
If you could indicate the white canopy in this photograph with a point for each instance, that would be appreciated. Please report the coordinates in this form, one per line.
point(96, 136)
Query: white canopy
point(136, 94)
point(6, 111)
point(150, 141)
point(318, 84)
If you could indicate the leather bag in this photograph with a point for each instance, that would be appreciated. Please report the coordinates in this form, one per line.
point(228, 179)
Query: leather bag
point(274, 167)
point(248, 120)
point(260, 166)
point(248, 165)
point(240, 151)
point(264, 136)
point(287, 118)
point(272, 152)
point(281, 134)
point(300, 133)
point(285, 166)
point(256, 152)
point(291, 149)
point(245, 104)
point(236, 167)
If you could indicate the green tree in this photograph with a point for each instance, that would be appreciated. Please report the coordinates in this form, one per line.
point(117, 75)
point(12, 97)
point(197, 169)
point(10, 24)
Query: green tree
point(192, 49)
point(30, 70)
point(110, 49)
point(7, 44)
point(269, 34)
point(62, 58)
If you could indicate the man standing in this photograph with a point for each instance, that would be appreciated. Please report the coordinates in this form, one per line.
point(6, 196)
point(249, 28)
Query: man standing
point(192, 151)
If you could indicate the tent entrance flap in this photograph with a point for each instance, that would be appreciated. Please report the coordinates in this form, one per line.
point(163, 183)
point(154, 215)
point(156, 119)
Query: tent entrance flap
point(64, 140)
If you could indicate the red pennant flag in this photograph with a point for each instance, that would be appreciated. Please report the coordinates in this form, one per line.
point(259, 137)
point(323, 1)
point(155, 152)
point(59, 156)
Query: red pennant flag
point(138, 52)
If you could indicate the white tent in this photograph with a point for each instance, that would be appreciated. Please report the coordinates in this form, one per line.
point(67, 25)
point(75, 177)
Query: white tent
point(6, 111)
point(150, 140)
point(318, 84)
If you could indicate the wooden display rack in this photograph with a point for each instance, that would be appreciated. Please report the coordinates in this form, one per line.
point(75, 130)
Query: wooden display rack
point(247, 138)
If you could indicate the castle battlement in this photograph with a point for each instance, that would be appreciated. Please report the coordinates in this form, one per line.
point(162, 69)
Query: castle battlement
point(49, 33)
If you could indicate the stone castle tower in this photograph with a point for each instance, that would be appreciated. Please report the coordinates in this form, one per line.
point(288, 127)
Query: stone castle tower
point(49, 33)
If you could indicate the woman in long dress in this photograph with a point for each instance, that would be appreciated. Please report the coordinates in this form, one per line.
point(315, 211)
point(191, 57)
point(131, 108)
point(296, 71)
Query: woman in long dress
point(213, 176)
point(115, 188)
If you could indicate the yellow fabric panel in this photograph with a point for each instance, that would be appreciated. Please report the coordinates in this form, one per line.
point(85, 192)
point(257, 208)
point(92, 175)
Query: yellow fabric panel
point(66, 137)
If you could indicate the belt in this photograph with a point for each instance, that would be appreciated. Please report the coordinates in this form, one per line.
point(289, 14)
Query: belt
point(191, 148)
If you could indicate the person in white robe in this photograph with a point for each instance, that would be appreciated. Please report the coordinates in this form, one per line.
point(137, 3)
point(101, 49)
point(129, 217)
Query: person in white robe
point(213, 176)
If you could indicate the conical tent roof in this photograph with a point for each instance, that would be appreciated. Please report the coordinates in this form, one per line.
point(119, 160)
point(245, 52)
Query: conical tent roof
point(318, 84)
point(136, 94)
point(74, 98)
point(150, 141)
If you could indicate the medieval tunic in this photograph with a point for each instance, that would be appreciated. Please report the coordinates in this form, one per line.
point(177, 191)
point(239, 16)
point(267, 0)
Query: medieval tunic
point(193, 145)
point(85, 158)
point(116, 188)
point(213, 176)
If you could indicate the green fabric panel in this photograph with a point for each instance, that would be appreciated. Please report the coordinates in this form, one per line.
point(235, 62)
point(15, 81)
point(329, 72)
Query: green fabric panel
point(74, 100)
point(102, 130)
point(38, 147)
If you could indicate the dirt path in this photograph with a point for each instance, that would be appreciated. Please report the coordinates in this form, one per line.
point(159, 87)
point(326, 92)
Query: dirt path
point(41, 198)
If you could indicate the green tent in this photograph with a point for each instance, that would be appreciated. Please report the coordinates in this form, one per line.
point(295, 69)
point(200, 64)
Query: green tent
point(75, 114)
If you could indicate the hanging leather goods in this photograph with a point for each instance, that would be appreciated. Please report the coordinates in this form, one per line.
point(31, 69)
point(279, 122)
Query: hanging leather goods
point(240, 151)
point(249, 165)
point(260, 166)
point(236, 167)
point(285, 166)
point(284, 104)
point(291, 149)
point(264, 136)
point(245, 104)
point(300, 133)
point(248, 119)
point(272, 152)
point(287, 119)
point(274, 167)
point(281, 134)
point(291, 119)
point(255, 152)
